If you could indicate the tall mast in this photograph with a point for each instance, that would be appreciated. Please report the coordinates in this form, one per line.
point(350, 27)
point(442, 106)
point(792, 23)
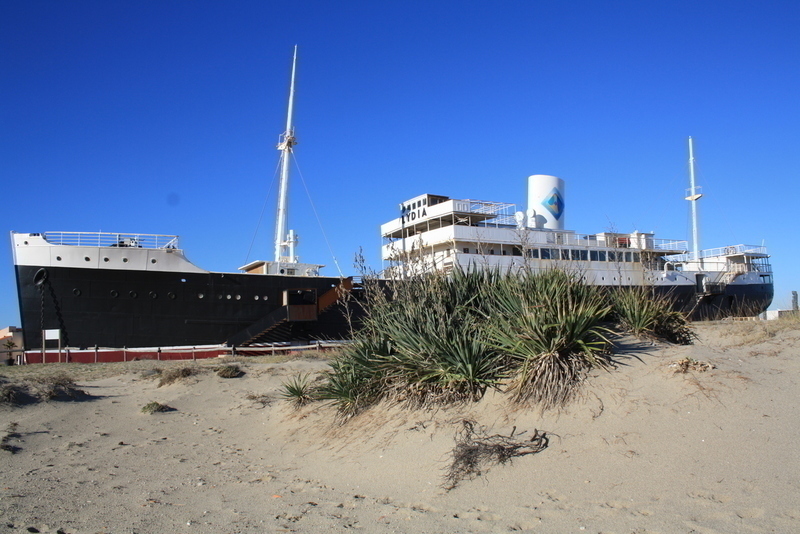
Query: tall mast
point(285, 242)
point(693, 197)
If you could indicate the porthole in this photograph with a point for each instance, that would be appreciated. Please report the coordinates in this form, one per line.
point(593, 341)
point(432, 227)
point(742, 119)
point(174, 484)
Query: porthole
point(133, 294)
point(183, 279)
point(58, 258)
point(228, 297)
point(171, 295)
point(105, 260)
point(219, 297)
point(265, 297)
point(25, 243)
point(153, 295)
point(200, 295)
point(114, 293)
point(238, 297)
point(153, 260)
point(256, 297)
point(124, 260)
point(87, 258)
point(76, 292)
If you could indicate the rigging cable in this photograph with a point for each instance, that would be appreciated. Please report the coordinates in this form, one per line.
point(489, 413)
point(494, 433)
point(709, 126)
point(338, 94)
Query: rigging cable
point(319, 222)
point(261, 216)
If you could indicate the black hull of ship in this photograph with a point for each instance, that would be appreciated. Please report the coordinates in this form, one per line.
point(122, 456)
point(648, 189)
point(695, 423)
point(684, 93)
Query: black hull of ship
point(119, 308)
point(739, 300)
point(123, 308)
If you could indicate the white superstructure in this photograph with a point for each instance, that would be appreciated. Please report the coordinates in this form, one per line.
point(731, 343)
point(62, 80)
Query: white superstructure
point(439, 233)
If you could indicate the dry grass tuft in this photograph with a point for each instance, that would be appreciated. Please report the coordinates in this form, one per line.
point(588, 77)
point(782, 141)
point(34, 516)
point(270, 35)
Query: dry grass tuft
point(57, 387)
point(230, 371)
point(475, 450)
point(14, 394)
point(690, 364)
point(153, 407)
point(176, 374)
point(757, 331)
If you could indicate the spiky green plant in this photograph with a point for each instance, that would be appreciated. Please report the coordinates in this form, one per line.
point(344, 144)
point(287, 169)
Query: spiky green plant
point(643, 314)
point(354, 380)
point(421, 342)
point(549, 323)
point(298, 389)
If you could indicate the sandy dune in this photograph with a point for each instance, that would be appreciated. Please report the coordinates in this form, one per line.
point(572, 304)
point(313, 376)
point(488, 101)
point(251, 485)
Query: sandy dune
point(645, 450)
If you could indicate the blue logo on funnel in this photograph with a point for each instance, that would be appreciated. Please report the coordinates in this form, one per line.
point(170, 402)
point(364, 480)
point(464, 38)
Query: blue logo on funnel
point(554, 203)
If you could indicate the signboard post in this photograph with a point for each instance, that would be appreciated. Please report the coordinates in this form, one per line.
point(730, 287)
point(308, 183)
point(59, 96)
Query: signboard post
point(48, 335)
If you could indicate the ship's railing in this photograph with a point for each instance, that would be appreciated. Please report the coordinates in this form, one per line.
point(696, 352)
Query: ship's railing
point(720, 251)
point(665, 244)
point(108, 239)
point(502, 211)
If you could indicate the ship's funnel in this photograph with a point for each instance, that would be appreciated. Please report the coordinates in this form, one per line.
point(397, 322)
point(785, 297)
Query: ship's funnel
point(546, 198)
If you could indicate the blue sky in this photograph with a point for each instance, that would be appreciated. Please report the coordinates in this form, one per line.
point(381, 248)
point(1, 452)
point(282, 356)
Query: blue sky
point(162, 117)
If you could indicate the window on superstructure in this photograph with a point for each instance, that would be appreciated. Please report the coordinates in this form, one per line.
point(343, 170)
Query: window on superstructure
point(612, 256)
point(636, 257)
point(629, 257)
point(584, 255)
point(564, 253)
point(532, 252)
point(575, 254)
point(545, 253)
point(516, 251)
point(601, 255)
point(593, 255)
point(466, 250)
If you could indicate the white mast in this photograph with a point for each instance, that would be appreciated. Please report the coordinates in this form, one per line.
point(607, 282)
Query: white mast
point(285, 242)
point(693, 196)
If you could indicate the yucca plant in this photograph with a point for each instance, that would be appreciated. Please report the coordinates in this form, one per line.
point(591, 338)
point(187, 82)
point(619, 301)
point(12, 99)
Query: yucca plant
point(643, 314)
point(421, 342)
point(354, 381)
point(298, 389)
point(550, 325)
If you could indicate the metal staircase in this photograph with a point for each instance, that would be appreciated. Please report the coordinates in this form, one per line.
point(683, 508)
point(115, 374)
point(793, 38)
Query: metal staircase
point(276, 326)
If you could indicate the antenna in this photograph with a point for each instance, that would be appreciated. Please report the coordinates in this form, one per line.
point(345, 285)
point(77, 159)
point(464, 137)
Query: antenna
point(285, 242)
point(693, 196)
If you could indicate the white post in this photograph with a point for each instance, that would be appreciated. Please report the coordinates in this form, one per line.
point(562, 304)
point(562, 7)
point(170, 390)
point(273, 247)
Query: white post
point(693, 197)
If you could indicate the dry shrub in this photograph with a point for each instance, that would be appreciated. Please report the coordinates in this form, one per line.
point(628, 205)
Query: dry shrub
point(229, 371)
point(57, 387)
point(15, 394)
point(475, 451)
point(151, 374)
point(176, 374)
point(690, 364)
point(153, 407)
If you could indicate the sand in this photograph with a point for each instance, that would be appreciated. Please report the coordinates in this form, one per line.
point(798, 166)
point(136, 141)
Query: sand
point(645, 449)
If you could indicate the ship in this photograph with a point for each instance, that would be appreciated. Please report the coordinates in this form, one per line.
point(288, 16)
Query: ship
point(125, 290)
point(436, 233)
